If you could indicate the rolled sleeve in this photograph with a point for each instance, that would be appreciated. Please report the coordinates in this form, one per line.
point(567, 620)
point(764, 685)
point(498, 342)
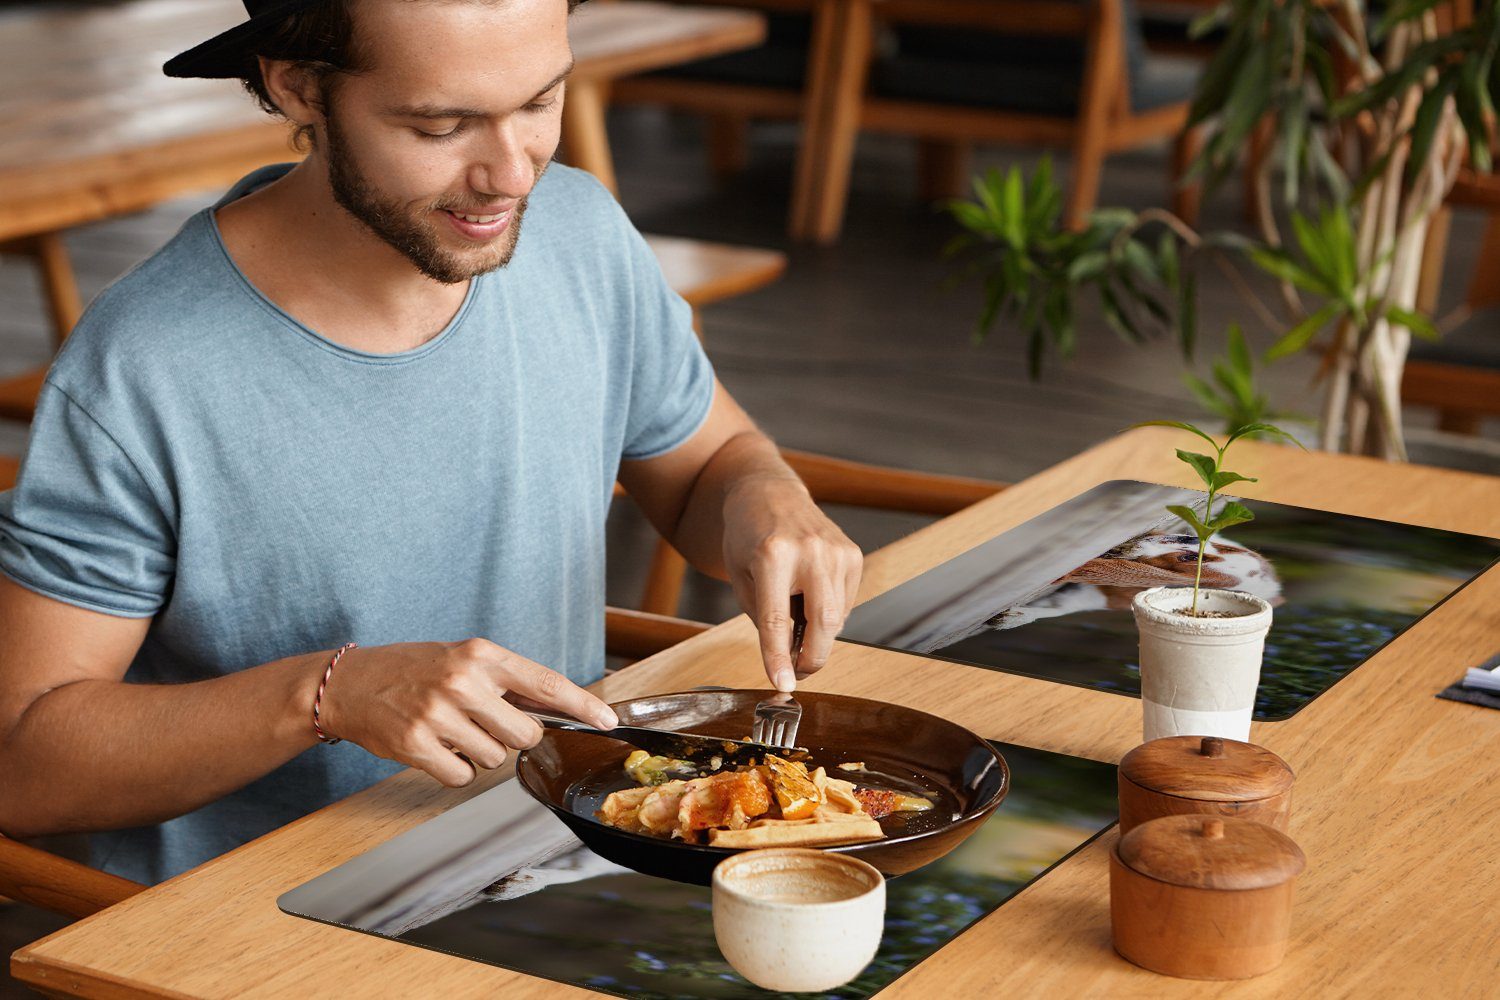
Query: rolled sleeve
point(82, 524)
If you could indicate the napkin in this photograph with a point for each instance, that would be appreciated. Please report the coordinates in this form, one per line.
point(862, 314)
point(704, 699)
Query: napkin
point(1479, 686)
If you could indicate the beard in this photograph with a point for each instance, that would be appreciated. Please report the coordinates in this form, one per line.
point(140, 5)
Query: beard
point(412, 233)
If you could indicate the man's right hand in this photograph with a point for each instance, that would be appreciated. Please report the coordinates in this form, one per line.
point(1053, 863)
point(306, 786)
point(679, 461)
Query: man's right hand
point(419, 702)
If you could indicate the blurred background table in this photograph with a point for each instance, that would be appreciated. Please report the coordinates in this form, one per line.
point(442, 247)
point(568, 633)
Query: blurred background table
point(94, 129)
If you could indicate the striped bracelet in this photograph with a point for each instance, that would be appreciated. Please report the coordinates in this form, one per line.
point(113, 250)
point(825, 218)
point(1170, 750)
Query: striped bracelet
point(318, 700)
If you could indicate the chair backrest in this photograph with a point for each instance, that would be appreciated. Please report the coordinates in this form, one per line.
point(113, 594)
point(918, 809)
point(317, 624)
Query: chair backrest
point(9, 468)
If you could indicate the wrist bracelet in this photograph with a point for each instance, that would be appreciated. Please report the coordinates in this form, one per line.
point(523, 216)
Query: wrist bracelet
point(318, 699)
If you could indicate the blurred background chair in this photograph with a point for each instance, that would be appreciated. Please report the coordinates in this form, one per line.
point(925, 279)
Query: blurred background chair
point(1459, 375)
point(949, 73)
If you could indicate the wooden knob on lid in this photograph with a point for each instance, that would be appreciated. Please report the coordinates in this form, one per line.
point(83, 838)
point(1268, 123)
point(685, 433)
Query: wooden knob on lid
point(1213, 829)
point(1212, 746)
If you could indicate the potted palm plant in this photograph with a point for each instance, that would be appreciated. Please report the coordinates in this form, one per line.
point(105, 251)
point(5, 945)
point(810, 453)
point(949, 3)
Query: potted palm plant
point(1200, 650)
point(1368, 117)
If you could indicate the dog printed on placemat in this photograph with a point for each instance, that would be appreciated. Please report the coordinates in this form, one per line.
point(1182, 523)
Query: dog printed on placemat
point(1109, 582)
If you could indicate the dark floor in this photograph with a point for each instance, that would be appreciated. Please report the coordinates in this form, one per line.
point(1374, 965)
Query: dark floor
point(860, 351)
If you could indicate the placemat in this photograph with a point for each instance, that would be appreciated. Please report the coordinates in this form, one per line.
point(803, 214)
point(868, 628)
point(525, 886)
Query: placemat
point(1051, 597)
point(499, 880)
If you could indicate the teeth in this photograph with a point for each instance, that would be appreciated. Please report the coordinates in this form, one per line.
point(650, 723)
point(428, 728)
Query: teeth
point(479, 218)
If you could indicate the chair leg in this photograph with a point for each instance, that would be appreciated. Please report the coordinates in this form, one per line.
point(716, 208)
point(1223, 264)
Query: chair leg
point(1484, 289)
point(583, 131)
point(664, 580)
point(943, 168)
point(1103, 78)
point(59, 285)
point(1187, 199)
point(1256, 152)
point(1434, 253)
point(728, 145)
point(840, 64)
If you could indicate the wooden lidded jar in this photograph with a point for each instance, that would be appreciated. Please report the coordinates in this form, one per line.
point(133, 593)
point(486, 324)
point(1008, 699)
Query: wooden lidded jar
point(1205, 775)
point(1203, 897)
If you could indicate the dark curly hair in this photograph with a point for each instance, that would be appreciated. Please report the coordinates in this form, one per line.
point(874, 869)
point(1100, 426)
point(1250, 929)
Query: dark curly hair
point(320, 39)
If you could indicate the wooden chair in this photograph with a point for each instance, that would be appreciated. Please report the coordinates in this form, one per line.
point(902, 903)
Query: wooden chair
point(1459, 376)
point(945, 85)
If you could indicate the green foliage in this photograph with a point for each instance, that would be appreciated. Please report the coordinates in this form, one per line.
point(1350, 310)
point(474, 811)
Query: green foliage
point(1277, 63)
point(1231, 394)
point(1032, 267)
point(1215, 477)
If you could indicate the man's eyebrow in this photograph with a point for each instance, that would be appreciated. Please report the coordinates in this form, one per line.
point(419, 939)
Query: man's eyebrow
point(438, 111)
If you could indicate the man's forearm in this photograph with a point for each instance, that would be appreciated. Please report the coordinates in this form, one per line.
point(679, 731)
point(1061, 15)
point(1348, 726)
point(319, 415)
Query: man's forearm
point(744, 458)
point(97, 754)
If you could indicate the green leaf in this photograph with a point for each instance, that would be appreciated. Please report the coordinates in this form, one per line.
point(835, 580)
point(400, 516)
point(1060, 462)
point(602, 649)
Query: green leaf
point(1231, 514)
point(1302, 334)
point(1239, 351)
point(1279, 264)
point(1202, 464)
point(1190, 516)
point(1180, 426)
point(1187, 312)
point(1013, 207)
point(1315, 249)
point(1424, 127)
point(1261, 428)
point(1293, 142)
point(1087, 266)
point(1226, 478)
point(1418, 324)
point(1205, 394)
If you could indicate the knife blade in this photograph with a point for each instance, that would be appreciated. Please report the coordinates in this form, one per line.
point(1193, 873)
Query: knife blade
point(697, 750)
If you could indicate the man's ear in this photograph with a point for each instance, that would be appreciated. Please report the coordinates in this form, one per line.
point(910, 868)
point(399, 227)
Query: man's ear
point(293, 89)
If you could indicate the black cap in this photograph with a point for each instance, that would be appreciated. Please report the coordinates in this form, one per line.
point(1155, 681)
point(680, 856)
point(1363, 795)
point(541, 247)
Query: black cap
point(225, 55)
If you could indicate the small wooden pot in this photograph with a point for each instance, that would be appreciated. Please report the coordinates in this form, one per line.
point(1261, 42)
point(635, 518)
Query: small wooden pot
point(1203, 897)
point(1207, 775)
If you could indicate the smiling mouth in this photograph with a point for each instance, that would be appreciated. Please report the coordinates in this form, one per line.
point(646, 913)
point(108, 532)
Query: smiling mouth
point(477, 218)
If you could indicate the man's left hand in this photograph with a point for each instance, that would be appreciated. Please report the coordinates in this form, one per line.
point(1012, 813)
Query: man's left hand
point(777, 544)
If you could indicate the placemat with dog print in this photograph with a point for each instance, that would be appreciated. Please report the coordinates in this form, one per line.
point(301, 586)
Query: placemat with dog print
point(1051, 597)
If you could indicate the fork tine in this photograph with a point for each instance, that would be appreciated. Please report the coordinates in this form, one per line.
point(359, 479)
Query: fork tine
point(778, 732)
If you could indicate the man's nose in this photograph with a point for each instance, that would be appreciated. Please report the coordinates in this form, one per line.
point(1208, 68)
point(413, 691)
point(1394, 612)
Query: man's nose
point(504, 169)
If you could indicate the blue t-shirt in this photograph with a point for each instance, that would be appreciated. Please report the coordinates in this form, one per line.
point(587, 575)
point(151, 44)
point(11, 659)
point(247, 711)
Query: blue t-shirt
point(200, 456)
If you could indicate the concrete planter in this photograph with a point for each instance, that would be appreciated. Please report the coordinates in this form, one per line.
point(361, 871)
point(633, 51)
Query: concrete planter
point(1199, 675)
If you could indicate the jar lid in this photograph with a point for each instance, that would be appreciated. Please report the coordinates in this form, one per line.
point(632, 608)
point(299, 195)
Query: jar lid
point(1207, 768)
point(1212, 852)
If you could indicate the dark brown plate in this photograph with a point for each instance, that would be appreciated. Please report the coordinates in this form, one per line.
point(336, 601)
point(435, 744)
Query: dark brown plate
point(571, 773)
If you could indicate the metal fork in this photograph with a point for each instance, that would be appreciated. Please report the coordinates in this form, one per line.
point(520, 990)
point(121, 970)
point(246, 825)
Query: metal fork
point(777, 718)
point(776, 722)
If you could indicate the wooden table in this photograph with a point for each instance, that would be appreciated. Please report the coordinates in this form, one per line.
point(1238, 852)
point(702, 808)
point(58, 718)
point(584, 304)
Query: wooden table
point(93, 129)
point(1397, 800)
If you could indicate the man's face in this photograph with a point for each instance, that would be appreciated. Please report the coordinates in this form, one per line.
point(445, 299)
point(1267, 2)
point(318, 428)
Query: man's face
point(436, 147)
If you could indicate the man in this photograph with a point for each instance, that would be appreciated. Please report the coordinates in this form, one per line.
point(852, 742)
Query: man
point(353, 403)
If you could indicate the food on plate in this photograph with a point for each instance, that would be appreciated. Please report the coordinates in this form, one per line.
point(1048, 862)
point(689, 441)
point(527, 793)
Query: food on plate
point(779, 803)
point(881, 802)
point(645, 769)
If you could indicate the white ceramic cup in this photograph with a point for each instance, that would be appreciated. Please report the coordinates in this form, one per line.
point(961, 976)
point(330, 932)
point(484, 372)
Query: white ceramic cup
point(798, 920)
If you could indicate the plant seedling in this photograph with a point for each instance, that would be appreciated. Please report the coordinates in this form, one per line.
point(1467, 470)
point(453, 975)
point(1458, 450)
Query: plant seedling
point(1211, 470)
